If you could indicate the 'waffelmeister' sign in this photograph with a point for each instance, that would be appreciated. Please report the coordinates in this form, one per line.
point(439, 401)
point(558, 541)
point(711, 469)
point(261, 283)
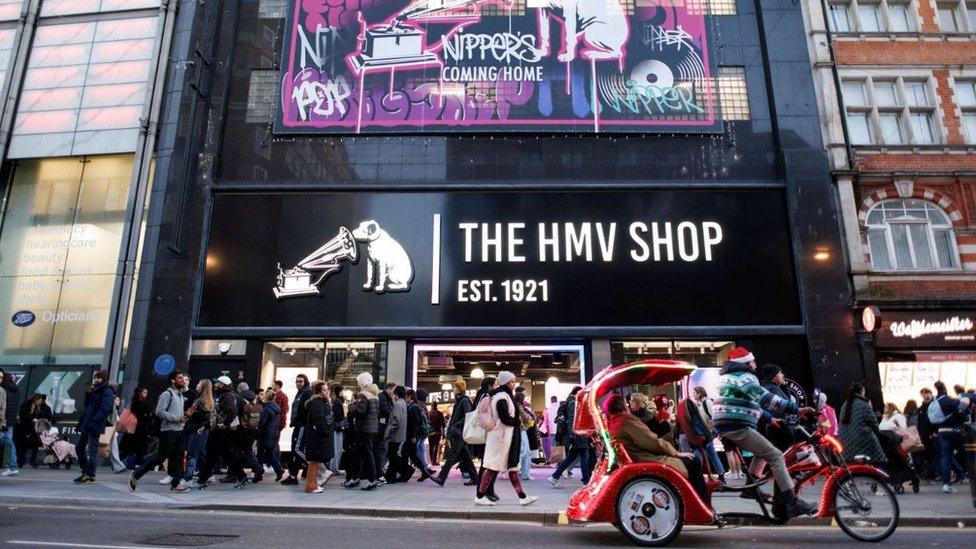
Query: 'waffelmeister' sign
point(927, 329)
point(355, 66)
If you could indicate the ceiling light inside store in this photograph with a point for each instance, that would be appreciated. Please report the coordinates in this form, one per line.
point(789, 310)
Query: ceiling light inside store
point(292, 353)
point(477, 373)
point(445, 387)
point(553, 380)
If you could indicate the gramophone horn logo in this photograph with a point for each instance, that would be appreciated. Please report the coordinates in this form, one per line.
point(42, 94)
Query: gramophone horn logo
point(388, 267)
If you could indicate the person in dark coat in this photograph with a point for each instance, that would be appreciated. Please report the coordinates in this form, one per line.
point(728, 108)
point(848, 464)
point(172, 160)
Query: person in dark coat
point(28, 441)
point(299, 414)
point(99, 404)
point(320, 439)
point(221, 443)
point(382, 442)
point(135, 444)
point(777, 429)
point(364, 425)
point(340, 423)
point(458, 453)
point(436, 418)
point(577, 446)
point(859, 427)
point(416, 431)
point(268, 434)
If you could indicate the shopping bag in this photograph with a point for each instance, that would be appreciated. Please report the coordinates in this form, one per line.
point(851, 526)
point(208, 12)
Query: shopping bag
point(473, 433)
point(558, 454)
point(910, 439)
point(105, 442)
point(127, 422)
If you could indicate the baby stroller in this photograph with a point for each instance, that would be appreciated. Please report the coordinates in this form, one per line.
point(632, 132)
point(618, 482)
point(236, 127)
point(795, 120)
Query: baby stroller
point(56, 450)
point(899, 466)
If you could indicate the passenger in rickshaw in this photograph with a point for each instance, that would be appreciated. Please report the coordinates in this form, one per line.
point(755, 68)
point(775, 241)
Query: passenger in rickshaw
point(643, 445)
point(741, 402)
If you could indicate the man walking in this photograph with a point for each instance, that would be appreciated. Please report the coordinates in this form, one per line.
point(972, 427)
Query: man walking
point(458, 453)
point(397, 467)
point(99, 404)
point(171, 411)
point(948, 414)
point(299, 416)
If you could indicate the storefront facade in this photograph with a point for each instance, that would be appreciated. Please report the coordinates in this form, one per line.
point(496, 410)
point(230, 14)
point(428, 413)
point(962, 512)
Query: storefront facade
point(551, 238)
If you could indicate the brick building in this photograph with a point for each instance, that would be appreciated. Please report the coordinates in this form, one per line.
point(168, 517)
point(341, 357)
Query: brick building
point(897, 82)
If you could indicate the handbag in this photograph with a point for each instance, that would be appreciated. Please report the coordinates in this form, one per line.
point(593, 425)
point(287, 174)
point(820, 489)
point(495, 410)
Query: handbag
point(127, 422)
point(910, 439)
point(105, 442)
point(473, 432)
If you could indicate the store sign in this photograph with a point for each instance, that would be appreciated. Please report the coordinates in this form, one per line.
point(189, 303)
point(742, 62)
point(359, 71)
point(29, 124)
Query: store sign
point(925, 329)
point(23, 319)
point(636, 258)
point(481, 65)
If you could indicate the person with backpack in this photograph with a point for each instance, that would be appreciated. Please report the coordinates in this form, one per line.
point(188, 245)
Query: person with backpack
point(947, 415)
point(699, 407)
point(170, 409)
point(458, 452)
point(268, 452)
point(577, 446)
point(503, 442)
point(250, 410)
point(221, 442)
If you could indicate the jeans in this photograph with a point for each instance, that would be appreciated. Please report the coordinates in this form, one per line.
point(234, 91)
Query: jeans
point(423, 454)
point(220, 446)
point(714, 462)
point(195, 448)
point(950, 442)
point(337, 454)
point(11, 449)
point(117, 465)
point(525, 457)
point(585, 455)
point(172, 445)
point(270, 456)
point(762, 450)
point(87, 450)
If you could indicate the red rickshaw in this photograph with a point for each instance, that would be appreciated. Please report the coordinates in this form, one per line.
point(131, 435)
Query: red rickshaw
point(651, 502)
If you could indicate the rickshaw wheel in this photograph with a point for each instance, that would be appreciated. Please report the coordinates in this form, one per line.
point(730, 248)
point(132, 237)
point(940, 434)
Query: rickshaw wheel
point(649, 512)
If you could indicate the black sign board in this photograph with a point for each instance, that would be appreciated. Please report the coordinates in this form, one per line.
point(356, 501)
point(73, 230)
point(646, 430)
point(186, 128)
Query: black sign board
point(927, 329)
point(500, 259)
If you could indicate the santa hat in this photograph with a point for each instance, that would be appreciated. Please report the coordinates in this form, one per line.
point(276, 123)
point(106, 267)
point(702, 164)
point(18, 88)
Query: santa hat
point(741, 355)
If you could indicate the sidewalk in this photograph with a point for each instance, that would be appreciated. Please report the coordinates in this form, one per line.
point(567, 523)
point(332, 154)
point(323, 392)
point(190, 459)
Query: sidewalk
point(929, 508)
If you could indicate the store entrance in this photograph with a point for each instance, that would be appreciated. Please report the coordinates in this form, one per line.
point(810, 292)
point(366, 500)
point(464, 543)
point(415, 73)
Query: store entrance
point(543, 370)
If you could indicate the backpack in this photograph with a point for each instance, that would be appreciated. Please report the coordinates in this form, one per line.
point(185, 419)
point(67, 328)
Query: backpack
point(561, 421)
point(692, 424)
point(936, 414)
point(251, 417)
point(486, 420)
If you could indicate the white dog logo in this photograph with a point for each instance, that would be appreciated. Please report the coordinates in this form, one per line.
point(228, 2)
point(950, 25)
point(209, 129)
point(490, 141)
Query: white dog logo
point(388, 266)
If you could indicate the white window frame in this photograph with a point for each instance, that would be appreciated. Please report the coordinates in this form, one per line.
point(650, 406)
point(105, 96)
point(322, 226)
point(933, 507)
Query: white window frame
point(902, 109)
point(886, 224)
point(962, 10)
point(966, 109)
point(884, 15)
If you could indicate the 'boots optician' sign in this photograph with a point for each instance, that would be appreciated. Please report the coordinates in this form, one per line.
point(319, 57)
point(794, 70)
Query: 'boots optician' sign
point(650, 258)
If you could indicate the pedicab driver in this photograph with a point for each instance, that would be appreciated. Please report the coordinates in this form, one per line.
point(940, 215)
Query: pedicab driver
point(741, 401)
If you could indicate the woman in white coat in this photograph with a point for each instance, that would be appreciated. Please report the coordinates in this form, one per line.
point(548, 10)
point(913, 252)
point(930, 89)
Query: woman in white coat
point(503, 443)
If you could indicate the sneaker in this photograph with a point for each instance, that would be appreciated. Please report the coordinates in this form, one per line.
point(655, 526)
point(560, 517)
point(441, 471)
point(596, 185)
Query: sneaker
point(120, 471)
point(438, 481)
point(10, 472)
point(133, 482)
point(483, 501)
point(381, 481)
point(241, 484)
point(87, 480)
point(199, 487)
point(268, 470)
point(179, 488)
point(528, 500)
point(492, 497)
point(554, 482)
point(318, 490)
point(948, 488)
point(527, 477)
point(569, 474)
point(371, 486)
point(185, 484)
point(290, 481)
point(325, 478)
point(81, 479)
point(165, 480)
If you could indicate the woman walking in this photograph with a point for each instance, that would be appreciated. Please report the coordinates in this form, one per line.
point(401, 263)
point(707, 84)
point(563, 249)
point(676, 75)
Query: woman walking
point(859, 427)
point(135, 444)
point(197, 429)
point(269, 453)
point(319, 436)
point(504, 443)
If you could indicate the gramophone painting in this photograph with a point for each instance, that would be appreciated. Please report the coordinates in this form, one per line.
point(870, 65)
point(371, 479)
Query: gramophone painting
point(388, 267)
point(365, 66)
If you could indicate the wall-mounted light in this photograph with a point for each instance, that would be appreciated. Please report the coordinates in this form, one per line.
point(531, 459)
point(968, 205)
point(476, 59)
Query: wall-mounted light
point(821, 255)
point(870, 318)
point(477, 373)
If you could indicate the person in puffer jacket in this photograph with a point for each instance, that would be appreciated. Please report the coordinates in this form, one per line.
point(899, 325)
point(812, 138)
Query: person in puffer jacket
point(741, 401)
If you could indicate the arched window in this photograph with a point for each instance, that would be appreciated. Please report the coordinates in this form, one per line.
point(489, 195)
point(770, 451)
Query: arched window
point(911, 235)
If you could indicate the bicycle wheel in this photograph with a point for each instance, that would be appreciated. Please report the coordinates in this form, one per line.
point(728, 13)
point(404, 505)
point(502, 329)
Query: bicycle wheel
point(865, 508)
point(649, 512)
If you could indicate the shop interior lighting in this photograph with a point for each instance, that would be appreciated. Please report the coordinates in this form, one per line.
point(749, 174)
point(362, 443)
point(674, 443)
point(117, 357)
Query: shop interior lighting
point(446, 387)
point(477, 373)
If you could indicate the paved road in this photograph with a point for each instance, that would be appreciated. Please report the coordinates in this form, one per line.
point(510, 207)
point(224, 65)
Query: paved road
point(52, 526)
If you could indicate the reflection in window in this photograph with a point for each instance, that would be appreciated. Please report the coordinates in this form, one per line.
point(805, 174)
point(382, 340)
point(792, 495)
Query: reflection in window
point(910, 235)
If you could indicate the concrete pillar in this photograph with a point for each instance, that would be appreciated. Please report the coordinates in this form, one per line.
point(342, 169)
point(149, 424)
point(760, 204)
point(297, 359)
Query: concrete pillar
point(396, 362)
point(600, 356)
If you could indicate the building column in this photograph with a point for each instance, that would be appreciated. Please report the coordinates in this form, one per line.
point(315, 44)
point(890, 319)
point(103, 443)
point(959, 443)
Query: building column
point(396, 362)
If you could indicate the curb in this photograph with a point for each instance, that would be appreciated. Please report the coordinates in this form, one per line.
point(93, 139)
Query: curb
point(544, 517)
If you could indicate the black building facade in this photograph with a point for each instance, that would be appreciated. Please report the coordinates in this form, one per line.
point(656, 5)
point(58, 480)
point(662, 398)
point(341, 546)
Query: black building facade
point(423, 248)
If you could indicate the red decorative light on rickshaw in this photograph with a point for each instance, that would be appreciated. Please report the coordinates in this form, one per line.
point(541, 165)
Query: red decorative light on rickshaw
point(834, 443)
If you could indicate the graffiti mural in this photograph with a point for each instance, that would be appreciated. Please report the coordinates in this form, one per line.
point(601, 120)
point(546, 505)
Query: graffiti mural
point(375, 66)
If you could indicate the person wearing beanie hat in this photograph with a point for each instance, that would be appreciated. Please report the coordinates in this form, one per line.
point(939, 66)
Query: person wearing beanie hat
point(364, 379)
point(503, 443)
point(458, 454)
point(778, 432)
point(364, 422)
point(769, 371)
point(741, 402)
point(99, 404)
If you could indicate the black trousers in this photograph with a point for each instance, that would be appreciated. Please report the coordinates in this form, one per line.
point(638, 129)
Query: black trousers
point(398, 466)
point(172, 447)
point(245, 445)
point(696, 477)
point(363, 464)
point(220, 446)
point(459, 455)
point(298, 461)
point(433, 447)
